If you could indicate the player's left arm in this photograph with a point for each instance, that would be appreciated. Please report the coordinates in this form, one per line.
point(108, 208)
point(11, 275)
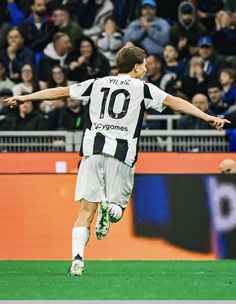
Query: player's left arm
point(179, 104)
point(48, 94)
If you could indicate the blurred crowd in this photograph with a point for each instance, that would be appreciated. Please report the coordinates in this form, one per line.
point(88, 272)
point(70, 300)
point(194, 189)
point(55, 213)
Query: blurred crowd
point(190, 45)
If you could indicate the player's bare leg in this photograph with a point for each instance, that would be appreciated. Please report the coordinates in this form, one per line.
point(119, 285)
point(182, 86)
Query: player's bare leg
point(81, 235)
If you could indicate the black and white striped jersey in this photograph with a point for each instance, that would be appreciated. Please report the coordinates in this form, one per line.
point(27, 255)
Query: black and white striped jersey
point(114, 114)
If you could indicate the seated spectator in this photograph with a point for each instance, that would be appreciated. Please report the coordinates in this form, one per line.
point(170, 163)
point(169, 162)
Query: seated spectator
point(154, 70)
point(5, 82)
point(213, 62)
point(228, 166)
point(55, 53)
point(45, 108)
point(37, 29)
point(186, 32)
point(172, 65)
point(151, 32)
point(15, 55)
point(28, 119)
point(224, 35)
point(155, 74)
point(69, 117)
point(87, 62)
point(7, 117)
point(230, 6)
point(58, 78)
point(227, 80)
point(217, 105)
point(207, 10)
point(94, 17)
point(62, 21)
point(110, 41)
point(196, 79)
point(29, 81)
point(192, 123)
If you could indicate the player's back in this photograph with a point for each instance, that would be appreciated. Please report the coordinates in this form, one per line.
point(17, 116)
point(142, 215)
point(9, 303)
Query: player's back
point(115, 114)
point(115, 109)
point(115, 105)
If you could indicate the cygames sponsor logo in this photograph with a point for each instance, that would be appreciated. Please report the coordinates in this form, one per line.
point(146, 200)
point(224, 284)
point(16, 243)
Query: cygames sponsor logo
point(100, 126)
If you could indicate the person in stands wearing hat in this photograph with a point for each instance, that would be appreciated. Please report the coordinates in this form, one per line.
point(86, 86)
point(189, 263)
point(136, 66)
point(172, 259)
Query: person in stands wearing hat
point(149, 31)
point(213, 62)
point(186, 32)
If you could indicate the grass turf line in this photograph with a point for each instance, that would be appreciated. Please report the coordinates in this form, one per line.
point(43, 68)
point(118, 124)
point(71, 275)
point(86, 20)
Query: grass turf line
point(112, 280)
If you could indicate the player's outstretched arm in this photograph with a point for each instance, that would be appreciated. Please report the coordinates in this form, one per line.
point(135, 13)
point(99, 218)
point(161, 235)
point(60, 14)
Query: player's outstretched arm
point(48, 94)
point(179, 104)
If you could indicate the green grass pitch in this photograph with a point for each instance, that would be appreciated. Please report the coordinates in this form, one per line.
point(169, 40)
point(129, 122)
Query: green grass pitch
point(113, 280)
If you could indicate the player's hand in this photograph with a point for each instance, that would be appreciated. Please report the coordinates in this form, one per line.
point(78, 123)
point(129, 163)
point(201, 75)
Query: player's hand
point(217, 122)
point(15, 101)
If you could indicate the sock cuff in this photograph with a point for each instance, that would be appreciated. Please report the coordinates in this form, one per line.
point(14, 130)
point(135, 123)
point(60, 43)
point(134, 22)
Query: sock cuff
point(77, 230)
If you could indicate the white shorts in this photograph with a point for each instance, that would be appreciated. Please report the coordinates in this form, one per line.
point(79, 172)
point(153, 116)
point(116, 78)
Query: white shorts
point(104, 178)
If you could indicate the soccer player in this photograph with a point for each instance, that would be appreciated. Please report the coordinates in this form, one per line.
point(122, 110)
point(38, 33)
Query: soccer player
point(115, 107)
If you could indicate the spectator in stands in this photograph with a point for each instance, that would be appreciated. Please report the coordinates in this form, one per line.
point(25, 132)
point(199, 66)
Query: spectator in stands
point(69, 117)
point(192, 123)
point(58, 78)
point(62, 21)
point(154, 70)
point(37, 29)
point(45, 108)
point(29, 81)
point(172, 64)
point(224, 35)
point(55, 53)
point(28, 119)
point(88, 62)
point(228, 166)
point(110, 40)
point(186, 32)
point(155, 74)
point(151, 32)
point(15, 55)
point(207, 10)
point(217, 105)
point(5, 82)
point(196, 79)
point(230, 6)
point(227, 80)
point(94, 17)
point(213, 62)
point(7, 117)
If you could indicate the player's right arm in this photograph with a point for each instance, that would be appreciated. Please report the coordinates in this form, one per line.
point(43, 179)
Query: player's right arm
point(181, 105)
point(48, 94)
point(157, 99)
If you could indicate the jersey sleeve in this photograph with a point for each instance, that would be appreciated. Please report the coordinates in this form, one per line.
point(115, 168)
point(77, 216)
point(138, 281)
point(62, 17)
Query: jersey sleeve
point(81, 91)
point(154, 97)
